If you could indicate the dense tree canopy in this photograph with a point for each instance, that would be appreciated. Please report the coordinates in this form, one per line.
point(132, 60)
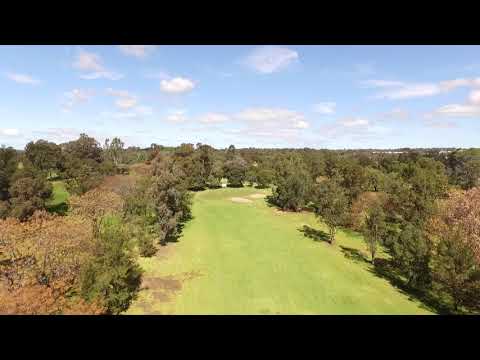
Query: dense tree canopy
point(44, 155)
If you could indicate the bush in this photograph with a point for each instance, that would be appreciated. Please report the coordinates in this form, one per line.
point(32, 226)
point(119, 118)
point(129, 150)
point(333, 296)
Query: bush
point(113, 274)
point(82, 180)
point(292, 193)
point(28, 194)
point(146, 245)
point(4, 209)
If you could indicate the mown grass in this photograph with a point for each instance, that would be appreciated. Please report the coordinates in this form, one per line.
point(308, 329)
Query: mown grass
point(58, 202)
point(251, 259)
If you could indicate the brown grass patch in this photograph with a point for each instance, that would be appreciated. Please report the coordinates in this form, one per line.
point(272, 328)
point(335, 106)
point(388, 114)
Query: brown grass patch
point(141, 169)
point(240, 200)
point(164, 288)
point(118, 183)
point(257, 196)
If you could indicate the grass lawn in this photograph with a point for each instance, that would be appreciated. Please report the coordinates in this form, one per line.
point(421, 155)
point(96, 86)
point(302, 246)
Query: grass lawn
point(248, 258)
point(58, 201)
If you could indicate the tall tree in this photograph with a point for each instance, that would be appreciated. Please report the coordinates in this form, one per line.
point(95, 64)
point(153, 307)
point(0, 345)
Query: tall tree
point(235, 171)
point(112, 274)
point(374, 229)
point(45, 156)
point(84, 148)
point(114, 150)
point(456, 272)
point(8, 165)
point(28, 191)
point(231, 152)
point(331, 205)
point(411, 253)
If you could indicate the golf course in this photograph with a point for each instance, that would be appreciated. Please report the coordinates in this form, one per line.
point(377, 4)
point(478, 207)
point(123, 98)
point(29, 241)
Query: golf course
point(238, 255)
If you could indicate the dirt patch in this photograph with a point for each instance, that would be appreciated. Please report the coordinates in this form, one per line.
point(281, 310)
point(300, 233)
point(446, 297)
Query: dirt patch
point(257, 196)
point(164, 252)
point(240, 200)
point(141, 169)
point(118, 183)
point(163, 289)
point(157, 283)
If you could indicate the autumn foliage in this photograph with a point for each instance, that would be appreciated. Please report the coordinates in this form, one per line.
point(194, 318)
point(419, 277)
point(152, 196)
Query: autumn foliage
point(40, 261)
point(460, 213)
point(96, 203)
point(360, 206)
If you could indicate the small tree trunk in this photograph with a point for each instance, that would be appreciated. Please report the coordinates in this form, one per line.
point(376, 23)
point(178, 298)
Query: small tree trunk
point(332, 236)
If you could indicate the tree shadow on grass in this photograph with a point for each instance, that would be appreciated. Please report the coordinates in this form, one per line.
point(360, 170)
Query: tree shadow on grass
point(314, 234)
point(385, 269)
point(354, 254)
point(270, 201)
point(174, 238)
point(59, 209)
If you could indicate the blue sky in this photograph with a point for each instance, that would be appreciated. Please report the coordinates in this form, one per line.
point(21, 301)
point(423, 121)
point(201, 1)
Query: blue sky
point(261, 96)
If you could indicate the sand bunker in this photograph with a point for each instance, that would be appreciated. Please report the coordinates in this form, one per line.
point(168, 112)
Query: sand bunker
point(257, 196)
point(240, 200)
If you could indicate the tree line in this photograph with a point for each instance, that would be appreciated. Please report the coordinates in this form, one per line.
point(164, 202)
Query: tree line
point(421, 207)
point(85, 261)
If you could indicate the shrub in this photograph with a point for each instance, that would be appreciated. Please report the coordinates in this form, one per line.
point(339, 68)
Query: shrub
point(113, 274)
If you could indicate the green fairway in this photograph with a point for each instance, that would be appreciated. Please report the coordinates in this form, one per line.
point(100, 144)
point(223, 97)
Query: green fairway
point(248, 258)
point(58, 201)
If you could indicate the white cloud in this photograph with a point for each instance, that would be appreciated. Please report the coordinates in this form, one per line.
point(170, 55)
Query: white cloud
point(301, 124)
point(176, 116)
point(139, 51)
point(214, 118)
point(470, 109)
point(266, 124)
point(441, 124)
point(354, 122)
point(126, 103)
point(23, 79)
point(163, 75)
point(354, 128)
point(396, 90)
point(177, 85)
point(382, 83)
point(453, 84)
point(458, 110)
point(396, 113)
point(102, 74)
point(136, 112)
point(10, 132)
point(325, 108)
point(270, 59)
point(125, 100)
point(57, 135)
point(77, 96)
point(120, 93)
point(474, 97)
point(144, 110)
point(275, 123)
point(411, 91)
point(88, 61)
point(365, 69)
point(272, 117)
